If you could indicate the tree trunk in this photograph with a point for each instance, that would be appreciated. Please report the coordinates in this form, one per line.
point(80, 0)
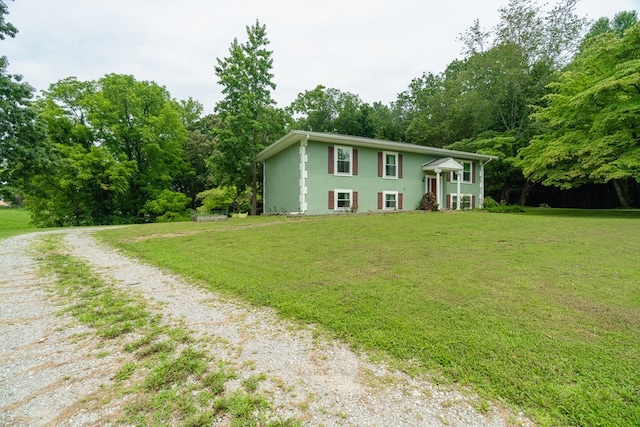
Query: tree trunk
point(504, 196)
point(526, 188)
point(620, 193)
point(254, 189)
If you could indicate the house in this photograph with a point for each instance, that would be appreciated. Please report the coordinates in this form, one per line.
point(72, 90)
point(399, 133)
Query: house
point(319, 173)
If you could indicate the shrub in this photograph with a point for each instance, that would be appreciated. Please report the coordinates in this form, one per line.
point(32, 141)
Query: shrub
point(428, 202)
point(503, 207)
point(489, 203)
point(168, 206)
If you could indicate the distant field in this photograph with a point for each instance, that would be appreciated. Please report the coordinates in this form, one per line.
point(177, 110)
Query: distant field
point(13, 221)
point(539, 310)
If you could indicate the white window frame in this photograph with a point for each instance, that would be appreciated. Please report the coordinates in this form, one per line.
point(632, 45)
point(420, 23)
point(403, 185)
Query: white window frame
point(384, 164)
point(336, 158)
point(384, 200)
point(454, 199)
point(470, 180)
point(336, 192)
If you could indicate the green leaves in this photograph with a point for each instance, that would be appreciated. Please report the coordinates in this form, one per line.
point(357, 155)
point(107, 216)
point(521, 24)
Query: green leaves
point(116, 144)
point(250, 122)
point(590, 126)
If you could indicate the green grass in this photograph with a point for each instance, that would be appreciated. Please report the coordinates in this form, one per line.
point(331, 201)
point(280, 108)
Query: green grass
point(14, 221)
point(540, 310)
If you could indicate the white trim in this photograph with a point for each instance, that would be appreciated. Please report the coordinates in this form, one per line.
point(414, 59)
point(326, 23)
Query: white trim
point(438, 186)
point(335, 199)
point(384, 164)
point(384, 200)
point(337, 149)
point(481, 176)
point(303, 175)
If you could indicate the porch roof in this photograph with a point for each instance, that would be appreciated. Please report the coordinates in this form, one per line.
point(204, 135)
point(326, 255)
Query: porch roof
point(447, 164)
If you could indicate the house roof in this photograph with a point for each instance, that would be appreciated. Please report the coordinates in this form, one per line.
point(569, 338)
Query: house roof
point(296, 136)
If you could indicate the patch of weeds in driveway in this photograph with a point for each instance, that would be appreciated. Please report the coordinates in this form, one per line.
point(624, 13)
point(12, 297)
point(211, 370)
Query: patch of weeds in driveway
point(169, 377)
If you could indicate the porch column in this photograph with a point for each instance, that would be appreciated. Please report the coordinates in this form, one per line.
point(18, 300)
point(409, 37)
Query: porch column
point(438, 188)
point(459, 204)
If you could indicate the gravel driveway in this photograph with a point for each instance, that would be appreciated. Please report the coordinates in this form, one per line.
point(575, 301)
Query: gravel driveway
point(49, 364)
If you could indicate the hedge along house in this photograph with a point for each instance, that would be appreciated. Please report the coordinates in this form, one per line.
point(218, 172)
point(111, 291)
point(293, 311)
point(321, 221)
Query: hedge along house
point(319, 173)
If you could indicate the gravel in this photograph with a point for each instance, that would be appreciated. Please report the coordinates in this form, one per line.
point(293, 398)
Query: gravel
point(51, 367)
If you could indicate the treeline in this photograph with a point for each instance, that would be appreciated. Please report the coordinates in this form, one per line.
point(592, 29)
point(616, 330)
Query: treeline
point(556, 98)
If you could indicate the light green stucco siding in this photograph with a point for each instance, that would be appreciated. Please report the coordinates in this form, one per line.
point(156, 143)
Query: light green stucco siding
point(281, 181)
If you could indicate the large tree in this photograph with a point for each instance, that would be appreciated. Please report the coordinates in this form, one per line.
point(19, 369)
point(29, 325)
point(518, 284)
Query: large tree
point(590, 130)
point(21, 138)
point(117, 146)
point(249, 118)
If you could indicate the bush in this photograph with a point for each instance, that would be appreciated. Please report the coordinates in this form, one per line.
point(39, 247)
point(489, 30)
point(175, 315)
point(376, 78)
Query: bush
point(428, 202)
point(503, 207)
point(489, 203)
point(168, 206)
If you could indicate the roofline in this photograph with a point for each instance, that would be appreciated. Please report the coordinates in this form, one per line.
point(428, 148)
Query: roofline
point(297, 135)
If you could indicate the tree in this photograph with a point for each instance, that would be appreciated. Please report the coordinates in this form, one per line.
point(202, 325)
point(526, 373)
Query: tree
point(22, 152)
point(116, 145)
point(487, 98)
point(590, 128)
point(332, 110)
point(620, 23)
point(199, 146)
point(140, 121)
point(249, 119)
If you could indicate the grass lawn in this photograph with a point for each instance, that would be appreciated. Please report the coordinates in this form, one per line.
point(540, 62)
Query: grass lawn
point(13, 221)
point(539, 310)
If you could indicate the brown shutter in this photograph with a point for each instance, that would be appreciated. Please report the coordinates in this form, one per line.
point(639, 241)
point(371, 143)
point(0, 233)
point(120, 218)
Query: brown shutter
point(331, 162)
point(473, 202)
point(399, 201)
point(332, 202)
point(354, 202)
point(380, 163)
point(448, 201)
point(448, 176)
point(355, 162)
point(399, 165)
point(473, 172)
point(380, 205)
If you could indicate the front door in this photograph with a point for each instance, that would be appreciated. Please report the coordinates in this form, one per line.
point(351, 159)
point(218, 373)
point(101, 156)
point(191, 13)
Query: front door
point(431, 185)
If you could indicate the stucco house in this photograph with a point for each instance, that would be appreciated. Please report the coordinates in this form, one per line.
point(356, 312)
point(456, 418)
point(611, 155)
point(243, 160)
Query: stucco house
point(319, 173)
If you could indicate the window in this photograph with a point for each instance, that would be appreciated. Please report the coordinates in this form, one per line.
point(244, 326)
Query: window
point(343, 199)
point(343, 160)
point(390, 165)
point(467, 200)
point(390, 200)
point(466, 172)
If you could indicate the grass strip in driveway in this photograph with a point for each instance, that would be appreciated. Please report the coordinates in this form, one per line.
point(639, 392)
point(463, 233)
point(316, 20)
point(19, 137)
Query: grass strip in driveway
point(169, 378)
point(540, 310)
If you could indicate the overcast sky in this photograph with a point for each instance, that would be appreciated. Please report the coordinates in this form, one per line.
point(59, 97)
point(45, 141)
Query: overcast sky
point(371, 48)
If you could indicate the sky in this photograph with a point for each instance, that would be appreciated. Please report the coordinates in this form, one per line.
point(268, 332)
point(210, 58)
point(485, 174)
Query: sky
point(370, 48)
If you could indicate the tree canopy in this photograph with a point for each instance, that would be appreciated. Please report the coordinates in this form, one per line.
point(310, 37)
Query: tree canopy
point(589, 131)
point(21, 148)
point(117, 145)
